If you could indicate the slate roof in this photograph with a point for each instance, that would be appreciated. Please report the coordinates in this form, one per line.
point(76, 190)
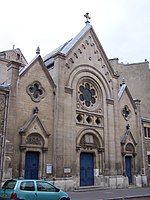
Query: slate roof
point(23, 69)
point(65, 48)
point(4, 87)
point(68, 46)
point(144, 119)
point(121, 91)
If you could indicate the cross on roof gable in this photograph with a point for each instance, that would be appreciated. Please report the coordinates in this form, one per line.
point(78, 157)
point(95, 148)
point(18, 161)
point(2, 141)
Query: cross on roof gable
point(87, 17)
point(66, 48)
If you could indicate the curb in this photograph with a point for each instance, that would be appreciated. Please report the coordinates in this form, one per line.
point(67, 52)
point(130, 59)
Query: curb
point(128, 197)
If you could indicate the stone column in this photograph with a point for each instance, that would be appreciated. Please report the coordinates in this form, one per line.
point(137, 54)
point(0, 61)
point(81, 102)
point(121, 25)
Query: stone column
point(22, 161)
point(139, 138)
point(110, 140)
point(13, 73)
point(43, 170)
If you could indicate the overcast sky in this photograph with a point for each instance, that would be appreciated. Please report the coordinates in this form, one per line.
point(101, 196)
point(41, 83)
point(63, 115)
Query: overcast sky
point(122, 26)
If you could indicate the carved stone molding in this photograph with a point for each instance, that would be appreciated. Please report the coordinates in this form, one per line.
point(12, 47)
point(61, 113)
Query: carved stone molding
point(89, 119)
point(34, 139)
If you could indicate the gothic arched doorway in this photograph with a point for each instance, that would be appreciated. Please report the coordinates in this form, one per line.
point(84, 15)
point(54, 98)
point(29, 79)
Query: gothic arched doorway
point(90, 153)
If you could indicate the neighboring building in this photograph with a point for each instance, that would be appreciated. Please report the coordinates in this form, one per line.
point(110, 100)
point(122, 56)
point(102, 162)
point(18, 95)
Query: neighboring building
point(75, 117)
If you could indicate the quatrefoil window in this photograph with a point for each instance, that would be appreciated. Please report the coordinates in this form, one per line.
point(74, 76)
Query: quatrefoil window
point(36, 91)
point(87, 94)
point(126, 112)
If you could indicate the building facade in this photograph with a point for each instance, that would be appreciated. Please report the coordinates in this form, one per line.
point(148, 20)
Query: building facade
point(75, 117)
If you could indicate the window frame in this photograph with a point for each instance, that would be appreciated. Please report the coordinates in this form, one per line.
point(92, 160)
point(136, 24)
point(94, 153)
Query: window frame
point(52, 188)
point(26, 186)
point(146, 132)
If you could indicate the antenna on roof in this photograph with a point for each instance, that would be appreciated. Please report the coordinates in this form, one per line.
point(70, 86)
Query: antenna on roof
point(38, 50)
point(87, 18)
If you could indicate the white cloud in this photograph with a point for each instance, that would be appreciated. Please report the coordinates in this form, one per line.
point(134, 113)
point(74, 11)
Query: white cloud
point(122, 26)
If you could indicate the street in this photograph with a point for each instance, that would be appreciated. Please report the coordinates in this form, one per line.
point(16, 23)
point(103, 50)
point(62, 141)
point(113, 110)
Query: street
point(141, 198)
point(114, 194)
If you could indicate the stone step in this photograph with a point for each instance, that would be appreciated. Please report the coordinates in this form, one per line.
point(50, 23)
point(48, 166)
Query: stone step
point(89, 188)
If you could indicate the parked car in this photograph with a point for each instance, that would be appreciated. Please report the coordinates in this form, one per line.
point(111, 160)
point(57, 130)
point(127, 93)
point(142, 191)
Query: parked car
point(31, 190)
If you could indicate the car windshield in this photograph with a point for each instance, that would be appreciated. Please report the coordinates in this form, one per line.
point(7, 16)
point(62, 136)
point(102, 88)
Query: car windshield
point(9, 184)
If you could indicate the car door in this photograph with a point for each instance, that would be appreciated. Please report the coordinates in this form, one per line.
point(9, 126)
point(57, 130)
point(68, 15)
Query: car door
point(27, 190)
point(46, 191)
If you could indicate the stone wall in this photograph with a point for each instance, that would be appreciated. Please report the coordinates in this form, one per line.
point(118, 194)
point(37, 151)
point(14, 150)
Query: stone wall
point(3, 124)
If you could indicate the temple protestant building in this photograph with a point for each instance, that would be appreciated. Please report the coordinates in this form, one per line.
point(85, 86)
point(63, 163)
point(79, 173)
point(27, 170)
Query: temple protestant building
point(75, 117)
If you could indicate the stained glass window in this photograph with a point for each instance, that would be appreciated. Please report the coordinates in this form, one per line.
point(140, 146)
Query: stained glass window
point(87, 94)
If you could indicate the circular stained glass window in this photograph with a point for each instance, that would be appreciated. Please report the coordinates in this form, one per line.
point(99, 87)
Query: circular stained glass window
point(87, 94)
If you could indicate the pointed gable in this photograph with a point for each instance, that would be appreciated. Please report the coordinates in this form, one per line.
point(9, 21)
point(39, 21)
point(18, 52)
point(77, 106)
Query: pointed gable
point(124, 89)
point(23, 70)
point(13, 54)
point(65, 48)
point(34, 119)
point(91, 40)
point(128, 137)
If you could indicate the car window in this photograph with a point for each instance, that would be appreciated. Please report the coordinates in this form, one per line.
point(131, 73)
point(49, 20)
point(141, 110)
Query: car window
point(47, 187)
point(9, 184)
point(27, 185)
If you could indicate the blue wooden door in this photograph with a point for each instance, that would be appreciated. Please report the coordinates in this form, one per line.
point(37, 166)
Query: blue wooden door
point(31, 165)
point(86, 169)
point(128, 161)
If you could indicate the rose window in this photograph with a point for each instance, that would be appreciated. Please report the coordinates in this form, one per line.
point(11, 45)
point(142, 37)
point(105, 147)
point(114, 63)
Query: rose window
point(87, 94)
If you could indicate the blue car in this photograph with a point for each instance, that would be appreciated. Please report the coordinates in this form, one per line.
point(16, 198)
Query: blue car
point(31, 190)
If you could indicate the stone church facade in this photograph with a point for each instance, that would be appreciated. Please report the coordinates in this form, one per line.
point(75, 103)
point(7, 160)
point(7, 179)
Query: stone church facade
point(75, 117)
